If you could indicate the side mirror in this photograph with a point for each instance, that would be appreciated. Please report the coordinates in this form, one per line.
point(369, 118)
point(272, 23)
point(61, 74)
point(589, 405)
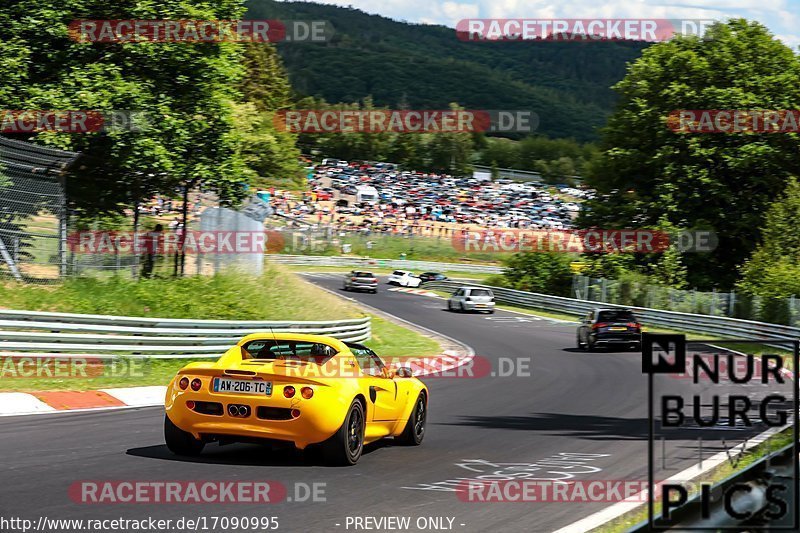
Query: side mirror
point(404, 372)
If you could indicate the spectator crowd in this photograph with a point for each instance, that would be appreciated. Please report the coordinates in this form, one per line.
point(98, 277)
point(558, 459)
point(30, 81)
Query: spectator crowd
point(378, 197)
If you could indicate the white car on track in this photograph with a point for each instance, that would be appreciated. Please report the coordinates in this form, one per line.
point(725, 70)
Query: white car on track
point(404, 278)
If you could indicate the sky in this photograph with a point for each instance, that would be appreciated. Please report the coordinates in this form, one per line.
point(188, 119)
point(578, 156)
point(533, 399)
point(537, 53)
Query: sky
point(782, 17)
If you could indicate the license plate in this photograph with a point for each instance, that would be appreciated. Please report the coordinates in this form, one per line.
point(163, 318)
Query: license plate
point(242, 386)
point(480, 305)
point(618, 329)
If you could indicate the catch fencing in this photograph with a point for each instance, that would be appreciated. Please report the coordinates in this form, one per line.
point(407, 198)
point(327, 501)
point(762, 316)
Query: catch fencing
point(32, 333)
point(716, 303)
point(33, 211)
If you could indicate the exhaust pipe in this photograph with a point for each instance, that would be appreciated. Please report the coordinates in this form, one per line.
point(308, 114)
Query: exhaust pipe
point(238, 410)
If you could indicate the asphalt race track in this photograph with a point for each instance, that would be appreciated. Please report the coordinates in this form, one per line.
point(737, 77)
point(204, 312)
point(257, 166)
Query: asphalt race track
point(590, 404)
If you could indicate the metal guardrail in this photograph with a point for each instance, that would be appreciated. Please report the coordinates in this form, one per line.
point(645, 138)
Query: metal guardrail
point(707, 324)
point(366, 262)
point(47, 334)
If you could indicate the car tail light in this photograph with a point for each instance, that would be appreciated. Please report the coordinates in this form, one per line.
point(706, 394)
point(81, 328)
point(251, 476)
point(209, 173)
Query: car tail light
point(190, 405)
point(353, 279)
point(183, 383)
point(196, 384)
point(307, 392)
point(633, 325)
point(295, 413)
point(599, 325)
point(288, 392)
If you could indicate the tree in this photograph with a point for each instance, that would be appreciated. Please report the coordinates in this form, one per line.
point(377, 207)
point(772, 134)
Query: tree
point(608, 265)
point(495, 172)
point(669, 269)
point(270, 155)
point(266, 83)
point(545, 272)
point(408, 150)
point(773, 270)
point(503, 152)
point(722, 182)
point(186, 90)
point(451, 152)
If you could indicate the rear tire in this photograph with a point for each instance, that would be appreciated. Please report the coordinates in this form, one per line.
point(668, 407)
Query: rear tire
point(414, 431)
point(179, 441)
point(344, 448)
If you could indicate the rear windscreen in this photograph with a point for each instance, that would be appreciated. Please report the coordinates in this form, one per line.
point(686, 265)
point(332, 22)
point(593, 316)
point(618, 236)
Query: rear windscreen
point(278, 349)
point(363, 274)
point(480, 292)
point(616, 316)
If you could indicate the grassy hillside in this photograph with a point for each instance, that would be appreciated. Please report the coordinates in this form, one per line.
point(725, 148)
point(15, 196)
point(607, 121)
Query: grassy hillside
point(426, 66)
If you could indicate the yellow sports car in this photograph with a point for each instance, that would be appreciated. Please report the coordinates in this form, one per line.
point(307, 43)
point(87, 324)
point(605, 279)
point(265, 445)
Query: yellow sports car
point(305, 389)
